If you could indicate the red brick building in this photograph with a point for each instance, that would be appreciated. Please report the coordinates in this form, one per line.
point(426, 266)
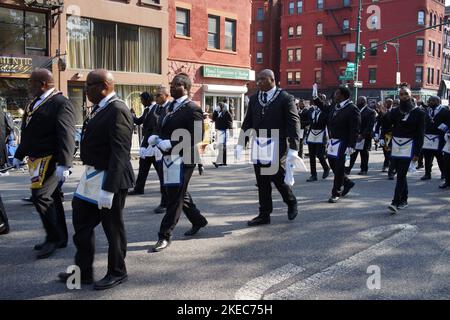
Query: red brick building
point(209, 40)
point(265, 37)
point(314, 35)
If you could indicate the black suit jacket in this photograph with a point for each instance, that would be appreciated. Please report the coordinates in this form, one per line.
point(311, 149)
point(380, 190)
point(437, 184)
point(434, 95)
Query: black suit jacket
point(432, 124)
point(368, 118)
point(322, 120)
point(281, 114)
point(224, 122)
point(106, 144)
point(343, 124)
point(303, 114)
point(151, 124)
point(189, 118)
point(51, 131)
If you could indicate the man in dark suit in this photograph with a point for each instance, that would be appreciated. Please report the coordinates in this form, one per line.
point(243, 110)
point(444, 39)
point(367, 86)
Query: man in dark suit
point(316, 140)
point(364, 141)
point(436, 117)
point(271, 112)
point(153, 125)
point(344, 120)
point(4, 225)
point(105, 150)
point(224, 122)
point(48, 139)
point(181, 130)
point(303, 114)
point(145, 161)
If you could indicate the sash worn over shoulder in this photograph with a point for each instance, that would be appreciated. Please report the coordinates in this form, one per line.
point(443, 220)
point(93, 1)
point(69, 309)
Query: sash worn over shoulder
point(90, 185)
point(38, 168)
point(334, 147)
point(172, 170)
point(263, 150)
point(402, 148)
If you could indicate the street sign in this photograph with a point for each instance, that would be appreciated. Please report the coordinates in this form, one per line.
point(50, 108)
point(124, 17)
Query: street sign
point(351, 66)
point(350, 47)
point(358, 84)
point(346, 78)
point(398, 78)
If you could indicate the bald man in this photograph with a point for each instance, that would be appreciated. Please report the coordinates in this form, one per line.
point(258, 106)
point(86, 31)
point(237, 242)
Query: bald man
point(48, 140)
point(100, 196)
point(272, 110)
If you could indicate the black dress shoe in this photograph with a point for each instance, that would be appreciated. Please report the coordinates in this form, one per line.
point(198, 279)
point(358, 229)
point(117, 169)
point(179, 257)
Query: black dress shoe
point(109, 281)
point(135, 193)
point(420, 166)
point(47, 250)
point(444, 185)
point(195, 229)
point(64, 276)
point(326, 173)
point(312, 178)
point(391, 176)
point(39, 246)
point(384, 169)
point(258, 221)
point(426, 177)
point(347, 188)
point(333, 199)
point(161, 245)
point(347, 171)
point(29, 199)
point(215, 165)
point(4, 228)
point(292, 212)
point(160, 209)
point(200, 169)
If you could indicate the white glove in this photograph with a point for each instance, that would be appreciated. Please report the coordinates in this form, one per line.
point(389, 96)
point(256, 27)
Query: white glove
point(165, 145)
point(62, 173)
point(153, 140)
point(412, 167)
point(382, 143)
point(238, 152)
point(446, 137)
point(142, 152)
point(315, 91)
point(17, 163)
point(443, 127)
point(105, 199)
point(158, 154)
point(349, 151)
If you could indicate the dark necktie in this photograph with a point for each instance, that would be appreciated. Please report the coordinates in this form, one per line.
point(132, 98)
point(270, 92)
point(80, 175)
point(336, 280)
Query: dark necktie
point(264, 98)
point(172, 106)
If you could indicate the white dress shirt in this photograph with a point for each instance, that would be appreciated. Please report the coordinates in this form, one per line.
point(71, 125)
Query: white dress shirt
point(105, 100)
point(43, 97)
point(179, 102)
point(270, 93)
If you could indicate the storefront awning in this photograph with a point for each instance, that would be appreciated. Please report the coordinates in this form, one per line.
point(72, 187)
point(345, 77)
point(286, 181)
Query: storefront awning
point(216, 88)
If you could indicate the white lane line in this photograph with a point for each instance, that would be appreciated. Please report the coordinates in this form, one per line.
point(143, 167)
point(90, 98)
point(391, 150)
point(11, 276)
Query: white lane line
point(255, 288)
point(298, 289)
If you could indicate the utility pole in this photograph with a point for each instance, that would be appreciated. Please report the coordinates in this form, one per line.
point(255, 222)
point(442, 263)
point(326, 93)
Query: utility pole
point(358, 50)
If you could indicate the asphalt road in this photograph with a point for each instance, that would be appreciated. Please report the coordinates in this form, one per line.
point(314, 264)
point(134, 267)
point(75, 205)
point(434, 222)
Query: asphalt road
point(323, 254)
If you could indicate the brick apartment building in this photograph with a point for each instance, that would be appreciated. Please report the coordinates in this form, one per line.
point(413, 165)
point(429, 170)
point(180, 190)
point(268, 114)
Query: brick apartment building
point(315, 34)
point(209, 40)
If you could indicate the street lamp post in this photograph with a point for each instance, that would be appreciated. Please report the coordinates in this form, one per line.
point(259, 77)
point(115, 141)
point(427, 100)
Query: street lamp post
point(396, 45)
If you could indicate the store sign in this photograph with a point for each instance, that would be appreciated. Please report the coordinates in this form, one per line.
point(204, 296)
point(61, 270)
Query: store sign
point(228, 73)
point(16, 65)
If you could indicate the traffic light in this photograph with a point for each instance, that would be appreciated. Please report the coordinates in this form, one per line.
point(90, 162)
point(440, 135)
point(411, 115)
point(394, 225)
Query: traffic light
point(362, 52)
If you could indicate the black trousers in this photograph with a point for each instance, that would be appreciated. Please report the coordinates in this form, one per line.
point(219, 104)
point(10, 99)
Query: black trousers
point(387, 157)
point(401, 188)
point(86, 216)
point(428, 156)
point(446, 161)
point(364, 156)
point(3, 216)
point(179, 200)
point(265, 190)
point(144, 168)
point(300, 149)
point(338, 167)
point(48, 203)
point(317, 151)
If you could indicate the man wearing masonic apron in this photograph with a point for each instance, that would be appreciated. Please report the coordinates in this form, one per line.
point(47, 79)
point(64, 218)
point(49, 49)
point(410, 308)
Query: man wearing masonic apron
point(48, 140)
point(273, 115)
point(100, 196)
point(185, 117)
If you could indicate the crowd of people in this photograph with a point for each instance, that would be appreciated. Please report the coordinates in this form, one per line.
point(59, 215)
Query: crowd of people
point(336, 131)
